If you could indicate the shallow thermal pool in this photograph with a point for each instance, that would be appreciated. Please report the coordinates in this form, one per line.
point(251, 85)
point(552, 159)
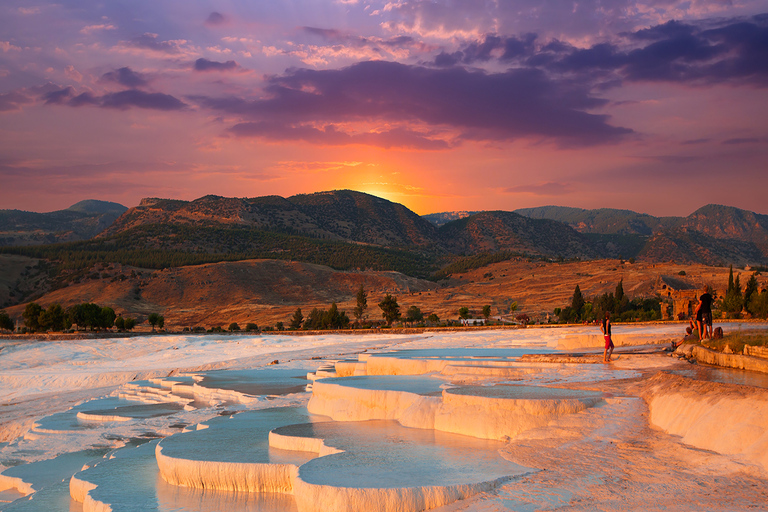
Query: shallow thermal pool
point(202, 419)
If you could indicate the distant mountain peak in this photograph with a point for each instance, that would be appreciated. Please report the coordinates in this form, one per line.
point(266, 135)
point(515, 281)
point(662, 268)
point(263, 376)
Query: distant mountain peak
point(97, 206)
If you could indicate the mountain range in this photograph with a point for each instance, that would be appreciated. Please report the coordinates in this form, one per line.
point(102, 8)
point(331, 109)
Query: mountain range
point(353, 230)
point(80, 221)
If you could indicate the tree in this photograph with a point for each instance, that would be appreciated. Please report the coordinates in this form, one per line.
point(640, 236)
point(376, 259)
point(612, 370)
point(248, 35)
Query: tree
point(362, 303)
point(250, 326)
point(31, 316)
point(758, 304)
point(160, 322)
point(280, 326)
point(433, 318)
point(6, 323)
point(297, 319)
point(513, 307)
point(733, 301)
point(86, 315)
point(577, 302)
point(53, 319)
point(107, 317)
point(749, 291)
point(464, 312)
point(234, 327)
point(120, 323)
point(619, 290)
point(390, 310)
point(333, 319)
point(487, 311)
point(130, 323)
point(414, 314)
point(730, 280)
point(315, 320)
point(153, 320)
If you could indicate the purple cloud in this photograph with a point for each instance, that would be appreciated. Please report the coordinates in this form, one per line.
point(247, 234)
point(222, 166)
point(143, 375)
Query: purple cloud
point(125, 76)
point(119, 100)
point(12, 101)
point(481, 106)
point(330, 136)
point(215, 19)
point(675, 52)
point(211, 65)
point(737, 141)
point(136, 98)
point(149, 41)
point(338, 37)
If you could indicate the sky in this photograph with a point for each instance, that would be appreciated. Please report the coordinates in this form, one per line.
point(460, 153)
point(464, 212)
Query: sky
point(657, 106)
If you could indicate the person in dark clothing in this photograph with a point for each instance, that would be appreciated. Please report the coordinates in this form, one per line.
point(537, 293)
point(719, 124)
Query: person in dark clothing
point(704, 315)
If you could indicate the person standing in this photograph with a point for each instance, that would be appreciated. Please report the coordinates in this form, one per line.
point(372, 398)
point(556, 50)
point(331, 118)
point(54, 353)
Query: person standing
point(605, 326)
point(704, 315)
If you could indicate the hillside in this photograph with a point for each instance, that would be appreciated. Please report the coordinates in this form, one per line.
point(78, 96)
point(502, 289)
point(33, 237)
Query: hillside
point(507, 231)
point(269, 291)
point(606, 221)
point(339, 215)
point(713, 234)
point(80, 221)
point(438, 219)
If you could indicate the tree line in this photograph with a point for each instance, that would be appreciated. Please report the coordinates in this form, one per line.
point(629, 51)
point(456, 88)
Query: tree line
point(86, 315)
point(622, 309)
point(752, 300)
point(160, 246)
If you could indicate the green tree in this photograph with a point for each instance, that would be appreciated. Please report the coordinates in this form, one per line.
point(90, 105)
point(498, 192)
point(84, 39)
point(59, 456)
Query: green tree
point(414, 314)
point(297, 319)
point(86, 315)
point(53, 319)
point(153, 320)
point(6, 323)
point(577, 303)
point(160, 322)
point(280, 326)
point(749, 291)
point(758, 304)
point(107, 317)
point(390, 310)
point(362, 303)
point(433, 319)
point(464, 312)
point(619, 291)
point(120, 323)
point(513, 307)
point(234, 327)
point(250, 326)
point(333, 319)
point(733, 301)
point(315, 320)
point(730, 280)
point(487, 311)
point(31, 316)
point(130, 323)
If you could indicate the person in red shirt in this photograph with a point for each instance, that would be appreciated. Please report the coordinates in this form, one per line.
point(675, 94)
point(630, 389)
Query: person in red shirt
point(606, 328)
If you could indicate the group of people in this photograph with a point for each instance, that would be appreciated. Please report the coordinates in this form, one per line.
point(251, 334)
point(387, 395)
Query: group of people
point(702, 323)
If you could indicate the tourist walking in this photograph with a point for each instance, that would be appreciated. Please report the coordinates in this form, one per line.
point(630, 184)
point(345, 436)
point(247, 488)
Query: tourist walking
point(605, 326)
point(704, 315)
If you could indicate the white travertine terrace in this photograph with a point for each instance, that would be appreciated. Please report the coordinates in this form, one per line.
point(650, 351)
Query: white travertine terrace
point(725, 419)
point(402, 430)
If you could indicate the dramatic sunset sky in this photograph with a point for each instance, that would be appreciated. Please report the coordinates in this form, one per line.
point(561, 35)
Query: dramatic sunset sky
point(659, 106)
